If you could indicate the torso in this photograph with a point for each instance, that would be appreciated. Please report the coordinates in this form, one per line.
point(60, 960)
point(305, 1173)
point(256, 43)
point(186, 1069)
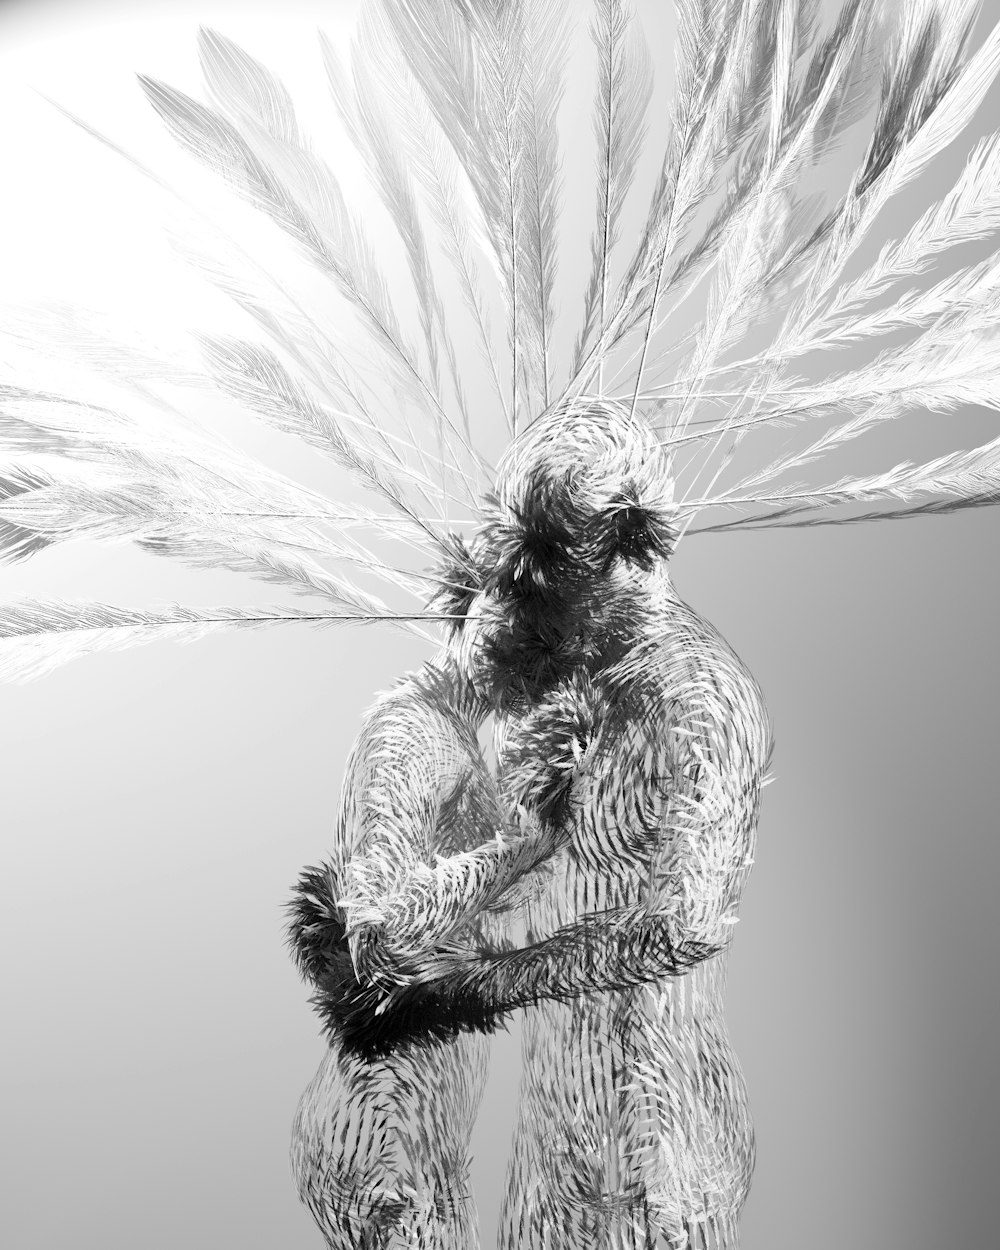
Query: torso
point(384, 1145)
point(649, 1072)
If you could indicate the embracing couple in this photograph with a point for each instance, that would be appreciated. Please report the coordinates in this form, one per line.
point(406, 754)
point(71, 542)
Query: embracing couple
point(592, 876)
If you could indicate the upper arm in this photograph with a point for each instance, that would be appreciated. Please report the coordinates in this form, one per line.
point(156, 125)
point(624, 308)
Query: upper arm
point(423, 824)
point(405, 765)
point(715, 750)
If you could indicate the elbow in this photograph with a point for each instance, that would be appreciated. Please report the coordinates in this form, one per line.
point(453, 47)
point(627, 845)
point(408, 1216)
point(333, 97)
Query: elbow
point(699, 943)
point(673, 950)
point(386, 964)
point(694, 952)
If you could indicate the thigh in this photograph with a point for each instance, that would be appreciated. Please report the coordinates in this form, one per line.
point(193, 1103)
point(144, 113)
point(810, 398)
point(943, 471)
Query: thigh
point(437, 1094)
point(627, 1136)
point(694, 1137)
point(545, 1207)
point(571, 1181)
point(380, 1150)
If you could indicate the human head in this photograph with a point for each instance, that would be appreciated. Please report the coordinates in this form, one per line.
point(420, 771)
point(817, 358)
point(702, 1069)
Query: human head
point(581, 516)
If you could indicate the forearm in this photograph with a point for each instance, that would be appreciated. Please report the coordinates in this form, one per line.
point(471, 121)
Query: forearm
point(465, 991)
point(356, 1014)
point(395, 930)
point(610, 951)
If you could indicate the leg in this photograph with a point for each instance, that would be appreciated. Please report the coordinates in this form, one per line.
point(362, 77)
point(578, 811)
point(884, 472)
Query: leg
point(380, 1151)
point(570, 1181)
point(697, 1146)
point(632, 1134)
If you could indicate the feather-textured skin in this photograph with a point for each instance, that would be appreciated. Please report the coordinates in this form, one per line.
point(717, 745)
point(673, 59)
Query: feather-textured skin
point(381, 1138)
point(617, 1141)
point(593, 1171)
point(632, 744)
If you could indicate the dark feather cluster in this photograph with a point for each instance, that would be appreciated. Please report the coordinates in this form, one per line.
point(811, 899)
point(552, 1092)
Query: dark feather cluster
point(550, 747)
point(526, 652)
point(550, 541)
point(315, 930)
point(419, 1015)
point(551, 612)
point(460, 580)
point(532, 547)
point(629, 530)
point(536, 626)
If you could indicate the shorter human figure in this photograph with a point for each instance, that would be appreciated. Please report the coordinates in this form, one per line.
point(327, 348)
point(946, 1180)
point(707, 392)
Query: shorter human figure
point(381, 1136)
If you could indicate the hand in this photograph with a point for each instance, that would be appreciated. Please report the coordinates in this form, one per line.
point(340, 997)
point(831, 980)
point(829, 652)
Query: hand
point(550, 752)
point(375, 1025)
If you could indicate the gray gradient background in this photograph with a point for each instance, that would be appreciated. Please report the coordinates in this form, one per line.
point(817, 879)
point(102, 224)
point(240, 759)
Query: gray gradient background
point(158, 803)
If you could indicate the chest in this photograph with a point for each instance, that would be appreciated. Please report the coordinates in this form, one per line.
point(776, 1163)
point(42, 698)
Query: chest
point(672, 779)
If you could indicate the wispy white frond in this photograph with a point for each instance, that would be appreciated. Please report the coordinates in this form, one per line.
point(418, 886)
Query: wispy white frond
point(114, 349)
point(470, 63)
point(546, 32)
point(625, 85)
point(745, 254)
point(299, 192)
point(949, 97)
point(499, 40)
point(242, 278)
point(939, 375)
point(366, 122)
point(17, 540)
point(434, 165)
point(239, 84)
point(37, 636)
point(972, 294)
point(970, 211)
point(254, 376)
point(957, 480)
point(931, 92)
point(43, 423)
point(177, 525)
point(104, 478)
point(315, 348)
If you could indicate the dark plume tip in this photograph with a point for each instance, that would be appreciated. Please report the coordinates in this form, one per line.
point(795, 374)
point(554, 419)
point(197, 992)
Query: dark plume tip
point(547, 751)
point(640, 534)
point(532, 543)
point(315, 928)
point(419, 1017)
point(461, 580)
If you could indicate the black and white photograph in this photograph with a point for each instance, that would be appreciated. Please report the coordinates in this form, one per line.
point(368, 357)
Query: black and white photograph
point(481, 769)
